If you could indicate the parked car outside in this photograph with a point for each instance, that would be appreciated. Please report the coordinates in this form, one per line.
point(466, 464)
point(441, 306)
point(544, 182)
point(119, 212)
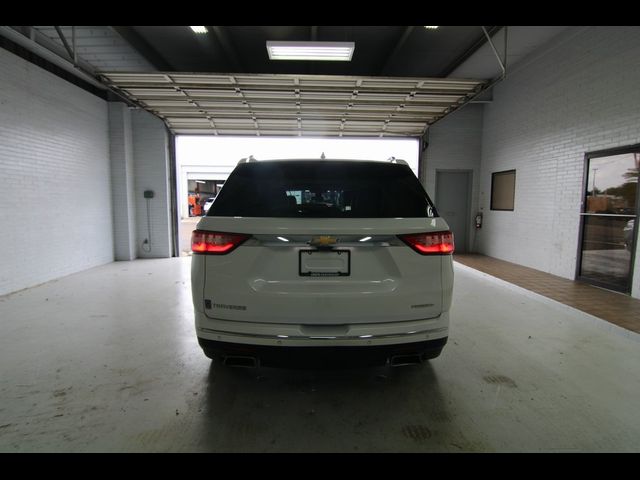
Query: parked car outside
point(322, 263)
point(628, 234)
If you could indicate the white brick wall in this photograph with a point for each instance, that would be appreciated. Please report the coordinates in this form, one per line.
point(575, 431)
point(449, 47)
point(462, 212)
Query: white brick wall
point(581, 96)
point(455, 144)
point(123, 193)
point(151, 172)
point(55, 192)
point(139, 162)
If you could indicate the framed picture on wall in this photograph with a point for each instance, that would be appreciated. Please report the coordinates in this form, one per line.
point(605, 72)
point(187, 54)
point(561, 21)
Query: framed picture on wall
point(503, 190)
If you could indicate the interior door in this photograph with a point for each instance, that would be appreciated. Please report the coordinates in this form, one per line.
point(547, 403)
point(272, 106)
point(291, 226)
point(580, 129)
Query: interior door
point(452, 202)
point(609, 220)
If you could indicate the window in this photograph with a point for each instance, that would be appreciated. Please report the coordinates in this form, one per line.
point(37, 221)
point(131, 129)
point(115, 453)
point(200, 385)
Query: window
point(503, 190)
point(609, 217)
point(329, 189)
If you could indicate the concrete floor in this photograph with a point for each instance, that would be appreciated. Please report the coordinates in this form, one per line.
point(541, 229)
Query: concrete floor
point(107, 361)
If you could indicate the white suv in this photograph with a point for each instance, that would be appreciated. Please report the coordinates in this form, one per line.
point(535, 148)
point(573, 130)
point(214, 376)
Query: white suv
point(322, 262)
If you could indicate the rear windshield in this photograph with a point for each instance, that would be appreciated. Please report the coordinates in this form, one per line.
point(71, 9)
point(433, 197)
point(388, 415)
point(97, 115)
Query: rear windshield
point(328, 189)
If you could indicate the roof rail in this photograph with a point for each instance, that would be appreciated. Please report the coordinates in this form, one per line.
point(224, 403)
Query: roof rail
point(248, 159)
point(398, 161)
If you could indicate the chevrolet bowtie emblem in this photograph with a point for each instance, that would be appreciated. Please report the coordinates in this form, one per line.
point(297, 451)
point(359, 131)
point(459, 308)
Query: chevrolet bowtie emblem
point(323, 241)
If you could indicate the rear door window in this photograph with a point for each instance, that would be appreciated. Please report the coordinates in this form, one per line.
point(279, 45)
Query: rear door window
point(328, 189)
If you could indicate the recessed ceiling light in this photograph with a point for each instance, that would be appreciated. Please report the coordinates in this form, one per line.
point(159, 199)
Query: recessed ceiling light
point(430, 28)
point(325, 51)
point(199, 29)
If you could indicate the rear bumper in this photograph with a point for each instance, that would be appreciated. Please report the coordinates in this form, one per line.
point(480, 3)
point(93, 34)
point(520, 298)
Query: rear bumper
point(295, 335)
point(324, 357)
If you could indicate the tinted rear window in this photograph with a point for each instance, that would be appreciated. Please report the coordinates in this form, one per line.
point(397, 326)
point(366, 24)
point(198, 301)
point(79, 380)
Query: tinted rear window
point(328, 189)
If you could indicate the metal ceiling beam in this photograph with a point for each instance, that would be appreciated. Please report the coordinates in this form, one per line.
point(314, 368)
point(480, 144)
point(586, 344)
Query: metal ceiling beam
point(488, 86)
point(139, 44)
point(399, 44)
point(475, 46)
point(44, 47)
point(70, 51)
point(502, 62)
point(228, 48)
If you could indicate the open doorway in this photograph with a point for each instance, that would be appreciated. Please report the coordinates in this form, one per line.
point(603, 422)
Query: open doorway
point(203, 163)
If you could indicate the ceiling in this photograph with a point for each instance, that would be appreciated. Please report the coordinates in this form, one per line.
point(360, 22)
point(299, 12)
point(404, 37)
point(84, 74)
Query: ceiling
point(398, 82)
point(394, 51)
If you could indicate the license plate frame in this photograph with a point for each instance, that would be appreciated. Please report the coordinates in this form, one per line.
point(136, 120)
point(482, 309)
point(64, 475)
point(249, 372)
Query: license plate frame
point(307, 272)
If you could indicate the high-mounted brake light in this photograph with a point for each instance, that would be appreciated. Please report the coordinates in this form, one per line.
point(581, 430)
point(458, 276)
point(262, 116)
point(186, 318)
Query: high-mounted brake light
point(431, 243)
point(215, 243)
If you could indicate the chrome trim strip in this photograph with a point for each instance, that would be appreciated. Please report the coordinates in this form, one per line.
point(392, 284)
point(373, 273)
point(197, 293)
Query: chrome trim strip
point(607, 215)
point(314, 337)
point(304, 240)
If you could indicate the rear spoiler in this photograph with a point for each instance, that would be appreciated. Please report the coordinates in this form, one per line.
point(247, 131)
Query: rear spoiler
point(398, 161)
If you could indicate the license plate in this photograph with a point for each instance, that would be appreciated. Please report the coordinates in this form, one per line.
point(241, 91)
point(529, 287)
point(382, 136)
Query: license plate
point(325, 263)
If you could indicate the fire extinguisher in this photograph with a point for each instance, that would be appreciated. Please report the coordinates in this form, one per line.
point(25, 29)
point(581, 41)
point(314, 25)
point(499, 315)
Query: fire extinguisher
point(479, 220)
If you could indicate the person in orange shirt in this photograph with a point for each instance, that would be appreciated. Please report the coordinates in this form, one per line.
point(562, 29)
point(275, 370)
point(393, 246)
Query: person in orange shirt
point(192, 203)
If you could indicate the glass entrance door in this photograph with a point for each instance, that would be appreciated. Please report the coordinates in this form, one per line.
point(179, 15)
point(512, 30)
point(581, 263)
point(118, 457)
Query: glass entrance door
point(609, 218)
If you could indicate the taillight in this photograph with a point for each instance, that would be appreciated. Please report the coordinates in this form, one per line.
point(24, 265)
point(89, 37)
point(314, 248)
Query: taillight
point(215, 243)
point(431, 243)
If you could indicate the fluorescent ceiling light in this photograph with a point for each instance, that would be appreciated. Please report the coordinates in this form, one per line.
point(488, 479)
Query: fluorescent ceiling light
point(430, 28)
point(199, 29)
point(326, 51)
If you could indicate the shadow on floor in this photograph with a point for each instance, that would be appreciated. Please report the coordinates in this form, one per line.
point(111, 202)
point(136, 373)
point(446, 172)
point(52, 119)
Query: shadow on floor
point(354, 410)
